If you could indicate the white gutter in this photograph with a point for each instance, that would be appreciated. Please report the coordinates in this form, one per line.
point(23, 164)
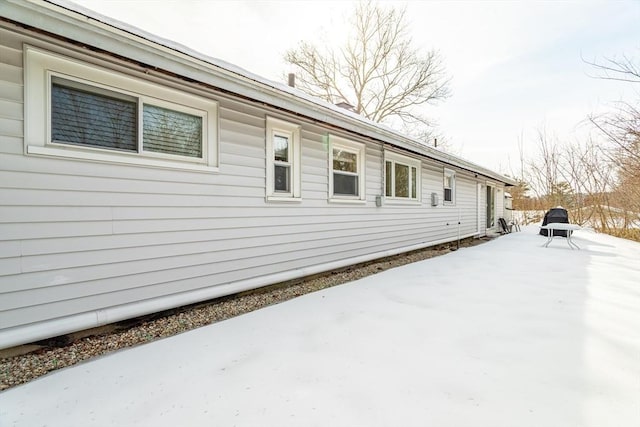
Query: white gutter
point(72, 21)
point(32, 332)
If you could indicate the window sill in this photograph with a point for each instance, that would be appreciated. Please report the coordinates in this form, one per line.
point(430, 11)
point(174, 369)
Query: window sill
point(122, 159)
point(390, 201)
point(348, 201)
point(278, 199)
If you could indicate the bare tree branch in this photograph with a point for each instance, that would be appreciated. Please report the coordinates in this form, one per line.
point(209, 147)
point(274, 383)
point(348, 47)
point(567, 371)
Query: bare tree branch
point(624, 69)
point(377, 70)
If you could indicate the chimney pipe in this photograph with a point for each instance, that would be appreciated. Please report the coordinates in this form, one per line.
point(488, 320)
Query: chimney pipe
point(435, 142)
point(292, 79)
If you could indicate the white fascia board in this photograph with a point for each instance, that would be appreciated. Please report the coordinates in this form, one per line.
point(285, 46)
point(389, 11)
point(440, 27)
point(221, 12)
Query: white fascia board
point(69, 20)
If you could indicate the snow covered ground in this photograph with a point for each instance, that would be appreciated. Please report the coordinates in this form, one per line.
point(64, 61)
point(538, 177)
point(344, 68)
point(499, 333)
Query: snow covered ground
point(503, 334)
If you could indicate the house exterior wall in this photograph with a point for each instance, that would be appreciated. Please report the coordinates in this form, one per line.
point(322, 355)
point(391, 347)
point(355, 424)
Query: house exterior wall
point(85, 243)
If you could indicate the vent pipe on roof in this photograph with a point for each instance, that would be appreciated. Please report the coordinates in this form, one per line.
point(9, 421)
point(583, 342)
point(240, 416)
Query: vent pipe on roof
point(292, 79)
point(346, 106)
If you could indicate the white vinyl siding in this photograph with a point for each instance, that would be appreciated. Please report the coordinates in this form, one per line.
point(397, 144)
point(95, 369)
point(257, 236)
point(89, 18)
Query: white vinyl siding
point(84, 235)
point(11, 94)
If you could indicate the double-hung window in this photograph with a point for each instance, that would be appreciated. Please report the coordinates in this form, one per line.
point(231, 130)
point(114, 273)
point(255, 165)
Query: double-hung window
point(449, 186)
point(283, 160)
point(78, 110)
point(402, 177)
point(347, 170)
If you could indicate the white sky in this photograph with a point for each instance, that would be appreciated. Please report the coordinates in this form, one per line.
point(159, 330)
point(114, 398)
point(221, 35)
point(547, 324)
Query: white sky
point(516, 66)
point(544, 337)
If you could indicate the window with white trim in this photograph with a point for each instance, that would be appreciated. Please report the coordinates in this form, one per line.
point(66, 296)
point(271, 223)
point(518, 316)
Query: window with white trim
point(402, 177)
point(449, 186)
point(283, 160)
point(82, 111)
point(346, 170)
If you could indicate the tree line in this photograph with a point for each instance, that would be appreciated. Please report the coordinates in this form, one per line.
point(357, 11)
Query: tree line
point(597, 180)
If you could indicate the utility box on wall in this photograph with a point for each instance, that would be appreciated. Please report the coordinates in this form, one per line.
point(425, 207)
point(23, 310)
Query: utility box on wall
point(434, 199)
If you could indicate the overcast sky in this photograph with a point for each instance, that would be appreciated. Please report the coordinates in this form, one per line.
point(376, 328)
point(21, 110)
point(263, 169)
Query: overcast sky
point(516, 66)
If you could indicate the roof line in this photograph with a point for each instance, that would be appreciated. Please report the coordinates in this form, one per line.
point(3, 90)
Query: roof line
point(218, 73)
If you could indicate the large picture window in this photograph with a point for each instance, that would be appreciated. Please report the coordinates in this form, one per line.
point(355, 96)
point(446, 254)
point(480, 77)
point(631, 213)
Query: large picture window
point(347, 171)
point(402, 177)
point(283, 160)
point(106, 116)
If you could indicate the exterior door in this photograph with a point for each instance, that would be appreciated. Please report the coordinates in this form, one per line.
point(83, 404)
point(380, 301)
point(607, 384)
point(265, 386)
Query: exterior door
point(491, 206)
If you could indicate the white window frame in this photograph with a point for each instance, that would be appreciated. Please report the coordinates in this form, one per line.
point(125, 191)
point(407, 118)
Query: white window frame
point(449, 173)
point(410, 162)
point(352, 147)
point(276, 127)
point(41, 66)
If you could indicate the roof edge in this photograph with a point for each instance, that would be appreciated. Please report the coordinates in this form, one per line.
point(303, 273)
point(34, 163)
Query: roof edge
point(72, 21)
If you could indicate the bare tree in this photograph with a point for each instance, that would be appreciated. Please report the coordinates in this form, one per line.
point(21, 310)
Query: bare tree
point(621, 132)
point(574, 175)
point(598, 180)
point(543, 171)
point(377, 71)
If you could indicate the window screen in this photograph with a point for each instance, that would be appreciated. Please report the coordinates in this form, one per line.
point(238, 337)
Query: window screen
point(345, 184)
point(345, 172)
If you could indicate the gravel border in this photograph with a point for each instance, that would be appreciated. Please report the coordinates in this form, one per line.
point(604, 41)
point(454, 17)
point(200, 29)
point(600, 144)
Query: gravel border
point(67, 350)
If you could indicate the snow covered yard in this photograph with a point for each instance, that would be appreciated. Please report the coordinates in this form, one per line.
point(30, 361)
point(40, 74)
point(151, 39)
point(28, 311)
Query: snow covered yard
point(503, 334)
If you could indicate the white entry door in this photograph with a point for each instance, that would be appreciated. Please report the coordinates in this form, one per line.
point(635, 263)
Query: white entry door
point(491, 206)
